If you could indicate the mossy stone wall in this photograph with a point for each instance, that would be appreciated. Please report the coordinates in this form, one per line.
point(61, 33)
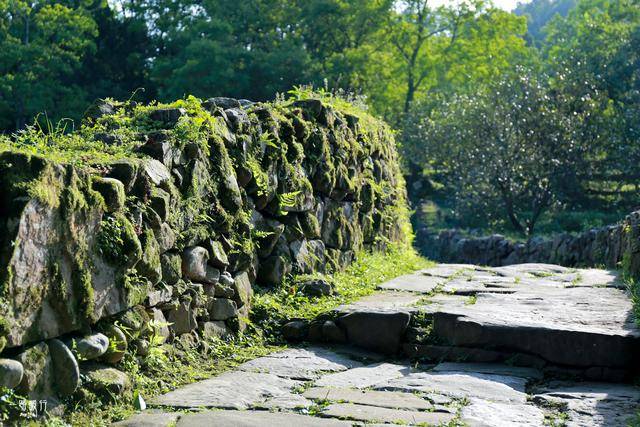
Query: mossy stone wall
point(168, 215)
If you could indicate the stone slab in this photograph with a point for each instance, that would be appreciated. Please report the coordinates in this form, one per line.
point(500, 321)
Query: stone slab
point(499, 388)
point(383, 399)
point(256, 419)
point(230, 390)
point(370, 414)
point(302, 364)
point(574, 326)
point(389, 327)
point(384, 300)
point(149, 419)
point(364, 377)
point(490, 368)
point(484, 413)
point(448, 270)
point(416, 282)
point(593, 404)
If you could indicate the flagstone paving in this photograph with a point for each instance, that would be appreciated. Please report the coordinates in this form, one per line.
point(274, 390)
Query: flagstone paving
point(556, 326)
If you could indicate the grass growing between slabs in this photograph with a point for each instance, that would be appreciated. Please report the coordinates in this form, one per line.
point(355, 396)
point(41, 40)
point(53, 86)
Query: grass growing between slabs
point(271, 308)
point(168, 367)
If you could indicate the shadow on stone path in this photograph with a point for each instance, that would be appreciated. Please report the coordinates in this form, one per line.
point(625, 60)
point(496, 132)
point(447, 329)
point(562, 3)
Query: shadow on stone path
point(562, 326)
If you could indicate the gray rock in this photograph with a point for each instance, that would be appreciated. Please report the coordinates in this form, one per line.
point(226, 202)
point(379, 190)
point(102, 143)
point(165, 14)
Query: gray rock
point(374, 414)
point(256, 419)
point(161, 294)
point(413, 283)
point(149, 419)
point(159, 329)
point(167, 116)
point(230, 390)
point(295, 330)
point(301, 364)
point(497, 388)
point(106, 382)
point(216, 329)
point(219, 290)
point(11, 373)
point(194, 264)
point(316, 287)
point(182, 318)
point(212, 275)
point(593, 404)
point(38, 379)
point(226, 279)
point(222, 309)
point(171, 265)
point(91, 346)
point(490, 368)
point(66, 370)
point(218, 257)
point(118, 347)
point(165, 237)
point(156, 171)
point(364, 377)
point(222, 102)
point(112, 191)
point(332, 333)
point(242, 289)
point(389, 327)
point(273, 270)
point(382, 399)
point(571, 326)
point(485, 413)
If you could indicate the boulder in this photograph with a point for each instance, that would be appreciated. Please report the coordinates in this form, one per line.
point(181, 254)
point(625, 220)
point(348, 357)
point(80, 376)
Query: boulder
point(273, 270)
point(216, 329)
point(316, 287)
point(218, 256)
point(112, 191)
point(91, 346)
point(171, 266)
point(242, 289)
point(118, 340)
point(159, 329)
point(182, 318)
point(105, 381)
point(222, 309)
point(38, 379)
point(167, 116)
point(194, 263)
point(332, 333)
point(389, 327)
point(66, 370)
point(11, 373)
point(295, 330)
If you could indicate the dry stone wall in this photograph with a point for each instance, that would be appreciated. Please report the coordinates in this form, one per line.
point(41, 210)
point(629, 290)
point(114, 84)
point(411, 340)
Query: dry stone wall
point(155, 221)
point(613, 246)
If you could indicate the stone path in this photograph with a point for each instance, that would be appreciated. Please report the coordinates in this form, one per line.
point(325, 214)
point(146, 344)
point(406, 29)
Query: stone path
point(510, 346)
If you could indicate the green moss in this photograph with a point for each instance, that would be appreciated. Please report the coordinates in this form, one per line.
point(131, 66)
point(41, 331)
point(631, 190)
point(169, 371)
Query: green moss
point(117, 240)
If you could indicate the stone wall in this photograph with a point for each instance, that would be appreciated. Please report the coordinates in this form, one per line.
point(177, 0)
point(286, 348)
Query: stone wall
point(613, 246)
point(154, 221)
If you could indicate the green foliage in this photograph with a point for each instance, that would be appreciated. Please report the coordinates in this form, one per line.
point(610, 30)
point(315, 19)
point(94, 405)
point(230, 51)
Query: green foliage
point(271, 308)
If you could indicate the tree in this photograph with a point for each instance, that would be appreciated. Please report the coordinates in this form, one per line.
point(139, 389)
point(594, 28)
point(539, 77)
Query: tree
point(448, 48)
point(41, 47)
point(506, 151)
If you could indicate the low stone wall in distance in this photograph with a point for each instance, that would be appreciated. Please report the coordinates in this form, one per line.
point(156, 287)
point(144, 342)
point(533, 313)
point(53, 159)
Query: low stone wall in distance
point(613, 246)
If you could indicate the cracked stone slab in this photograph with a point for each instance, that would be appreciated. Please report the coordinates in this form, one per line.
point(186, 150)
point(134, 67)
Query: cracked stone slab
point(593, 404)
point(370, 414)
point(385, 300)
point(230, 390)
point(256, 419)
point(532, 269)
point(364, 377)
point(417, 282)
point(500, 388)
point(489, 368)
point(302, 364)
point(473, 285)
point(574, 326)
point(149, 419)
point(484, 413)
point(448, 270)
point(383, 399)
